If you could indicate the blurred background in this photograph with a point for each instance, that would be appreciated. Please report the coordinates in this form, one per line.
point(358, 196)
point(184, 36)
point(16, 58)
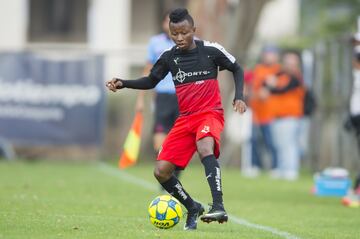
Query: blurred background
point(55, 56)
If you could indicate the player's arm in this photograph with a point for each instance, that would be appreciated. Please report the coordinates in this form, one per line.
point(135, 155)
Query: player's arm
point(238, 74)
point(226, 61)
point(143, 83)
point(157, 73)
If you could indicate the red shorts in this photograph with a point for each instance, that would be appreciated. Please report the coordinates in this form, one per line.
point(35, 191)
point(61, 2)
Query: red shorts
point(180, 144)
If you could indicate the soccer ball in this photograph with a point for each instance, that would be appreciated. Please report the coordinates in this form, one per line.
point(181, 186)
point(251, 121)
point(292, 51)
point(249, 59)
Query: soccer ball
point(165, 211)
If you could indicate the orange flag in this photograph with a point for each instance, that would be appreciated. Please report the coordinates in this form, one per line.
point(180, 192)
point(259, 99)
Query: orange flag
point(132, 143)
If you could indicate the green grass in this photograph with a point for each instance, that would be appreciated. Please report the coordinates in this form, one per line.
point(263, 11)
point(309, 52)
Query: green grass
point(85, 200)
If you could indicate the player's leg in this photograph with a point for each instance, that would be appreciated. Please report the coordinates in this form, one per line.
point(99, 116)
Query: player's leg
point(208, 131)
point(158, 141)
point(164, 174)
point(177, 150)
point(205, 147)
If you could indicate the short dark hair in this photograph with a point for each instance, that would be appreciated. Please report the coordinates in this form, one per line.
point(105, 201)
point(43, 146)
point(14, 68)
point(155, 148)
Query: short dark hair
point(179, 15)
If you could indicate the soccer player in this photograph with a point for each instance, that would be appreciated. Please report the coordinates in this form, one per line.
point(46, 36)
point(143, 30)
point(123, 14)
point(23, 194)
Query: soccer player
point(194, 66)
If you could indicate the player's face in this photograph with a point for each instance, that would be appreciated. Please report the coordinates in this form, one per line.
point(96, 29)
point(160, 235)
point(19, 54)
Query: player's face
point(182, 33)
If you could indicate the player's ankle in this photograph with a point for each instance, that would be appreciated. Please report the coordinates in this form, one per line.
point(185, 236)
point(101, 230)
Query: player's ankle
point(195, 207)
point(219, 205)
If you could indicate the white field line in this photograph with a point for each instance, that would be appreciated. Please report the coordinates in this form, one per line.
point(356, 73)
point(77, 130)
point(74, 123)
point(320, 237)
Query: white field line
point(152, 187)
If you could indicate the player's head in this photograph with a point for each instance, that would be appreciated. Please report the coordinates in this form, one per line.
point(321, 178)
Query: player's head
point(182, 28)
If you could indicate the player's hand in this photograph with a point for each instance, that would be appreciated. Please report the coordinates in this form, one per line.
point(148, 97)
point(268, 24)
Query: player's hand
point(114, 84)
point(239, 106)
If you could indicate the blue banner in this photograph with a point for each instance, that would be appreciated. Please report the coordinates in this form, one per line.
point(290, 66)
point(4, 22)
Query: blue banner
point(47, 99)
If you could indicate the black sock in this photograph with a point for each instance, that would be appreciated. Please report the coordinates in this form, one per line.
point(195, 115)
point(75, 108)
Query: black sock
point(174, 187)
point(213, 176)
point(176, 173)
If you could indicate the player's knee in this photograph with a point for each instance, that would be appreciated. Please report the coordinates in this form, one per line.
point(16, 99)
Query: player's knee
point(204, 150)
point(161, 174)
point(205, 146)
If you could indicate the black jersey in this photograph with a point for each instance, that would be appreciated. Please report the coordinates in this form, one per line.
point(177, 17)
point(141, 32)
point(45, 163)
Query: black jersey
point(195, 75)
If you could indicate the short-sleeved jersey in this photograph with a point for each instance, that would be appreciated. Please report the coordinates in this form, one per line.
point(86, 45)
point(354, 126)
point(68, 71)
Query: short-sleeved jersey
point(157, 45)
point(194, 73)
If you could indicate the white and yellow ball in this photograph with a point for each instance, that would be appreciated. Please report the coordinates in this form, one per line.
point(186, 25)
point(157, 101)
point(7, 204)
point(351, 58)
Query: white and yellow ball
point(165, 211)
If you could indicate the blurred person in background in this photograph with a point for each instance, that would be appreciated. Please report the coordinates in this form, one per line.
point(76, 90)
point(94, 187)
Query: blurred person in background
point(261, 105)
point(353, 122)
point(166, 108)
point(287, 91)
point(194, 65)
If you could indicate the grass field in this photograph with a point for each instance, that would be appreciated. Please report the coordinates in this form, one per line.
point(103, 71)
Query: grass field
point(95, 200)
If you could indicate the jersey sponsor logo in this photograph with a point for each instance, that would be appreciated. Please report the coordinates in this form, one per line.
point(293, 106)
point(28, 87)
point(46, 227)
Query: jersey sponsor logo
point(181, 75)
point(206, 129)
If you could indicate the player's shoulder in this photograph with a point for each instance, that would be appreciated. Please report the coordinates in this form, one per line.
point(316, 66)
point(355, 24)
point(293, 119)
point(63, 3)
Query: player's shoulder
point(217, 49)
point(213, 45)
point(167, 52)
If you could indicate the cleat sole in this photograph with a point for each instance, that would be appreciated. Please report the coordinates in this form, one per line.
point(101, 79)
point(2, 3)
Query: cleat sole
point(210, 219)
